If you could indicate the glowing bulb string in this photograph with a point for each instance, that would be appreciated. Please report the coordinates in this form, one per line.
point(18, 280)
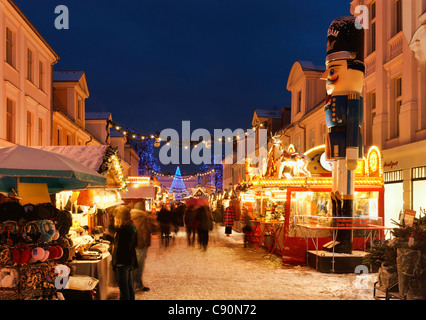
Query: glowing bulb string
point(130, 134)
point(185, 177)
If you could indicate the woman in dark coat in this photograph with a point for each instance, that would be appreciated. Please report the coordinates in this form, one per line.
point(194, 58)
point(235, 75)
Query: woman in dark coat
point(124, 252)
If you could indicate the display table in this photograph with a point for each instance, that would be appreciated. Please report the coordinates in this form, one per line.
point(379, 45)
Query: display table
point(310, 232)
point(98, 269)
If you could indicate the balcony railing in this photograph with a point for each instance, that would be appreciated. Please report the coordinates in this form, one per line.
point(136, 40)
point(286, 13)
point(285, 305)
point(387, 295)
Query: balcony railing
point(395, 46)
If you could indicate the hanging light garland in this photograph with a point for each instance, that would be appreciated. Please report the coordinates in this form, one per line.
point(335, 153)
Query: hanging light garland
point(130, 134)
point(186, 177)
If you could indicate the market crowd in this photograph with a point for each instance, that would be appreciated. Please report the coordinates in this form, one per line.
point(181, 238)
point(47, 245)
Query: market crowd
point(133, 227)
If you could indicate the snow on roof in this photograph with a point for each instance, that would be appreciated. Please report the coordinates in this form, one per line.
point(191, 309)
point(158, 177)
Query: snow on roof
point(89, 156)
point(71, 75)
point(268, 113)
point(97, 115)
point(309, 66)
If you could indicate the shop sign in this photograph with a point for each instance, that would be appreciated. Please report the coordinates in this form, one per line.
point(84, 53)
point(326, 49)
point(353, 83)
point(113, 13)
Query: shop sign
point(390, 164)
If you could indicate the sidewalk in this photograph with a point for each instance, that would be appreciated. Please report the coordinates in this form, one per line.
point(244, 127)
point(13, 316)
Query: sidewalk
point(228, 271)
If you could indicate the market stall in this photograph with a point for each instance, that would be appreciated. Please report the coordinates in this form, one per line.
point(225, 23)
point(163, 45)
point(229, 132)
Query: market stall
point(92, 211)
point(35, 250)
point(140, 189)
point(283, 196)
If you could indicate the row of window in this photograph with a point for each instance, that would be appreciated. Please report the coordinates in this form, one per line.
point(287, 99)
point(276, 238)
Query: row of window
point(30, 134)
point(30, 63)
point(418, 173)
point(395, 106)
point(396, 28)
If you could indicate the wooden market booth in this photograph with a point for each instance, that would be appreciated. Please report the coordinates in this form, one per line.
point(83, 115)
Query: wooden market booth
point(280, 203)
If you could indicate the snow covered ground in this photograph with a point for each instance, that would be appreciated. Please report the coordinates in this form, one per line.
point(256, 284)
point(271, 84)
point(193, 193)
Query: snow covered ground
point(228, 271)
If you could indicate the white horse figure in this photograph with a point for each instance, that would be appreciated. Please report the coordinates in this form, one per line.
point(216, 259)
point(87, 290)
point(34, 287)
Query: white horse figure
point(258, 170)
point(295, 161)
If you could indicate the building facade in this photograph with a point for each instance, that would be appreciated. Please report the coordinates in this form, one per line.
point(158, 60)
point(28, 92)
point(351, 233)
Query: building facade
point(70, 91)
point(395, 99)
point(307, 127)
point(26, 62)
point(40, 106)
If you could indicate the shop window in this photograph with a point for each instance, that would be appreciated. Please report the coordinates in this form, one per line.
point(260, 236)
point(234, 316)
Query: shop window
point(392, 176)
point(418, 176)
point(393, 202)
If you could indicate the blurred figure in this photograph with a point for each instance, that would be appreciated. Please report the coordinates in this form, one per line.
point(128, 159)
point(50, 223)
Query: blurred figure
point(232, 213)
point(247, 229)
point(204, 220)
point(190, 224)
point(164, 218)
point(124, 259)
point(145, 227)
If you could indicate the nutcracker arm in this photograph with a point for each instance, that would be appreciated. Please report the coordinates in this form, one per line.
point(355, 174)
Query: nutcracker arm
point(354, 122)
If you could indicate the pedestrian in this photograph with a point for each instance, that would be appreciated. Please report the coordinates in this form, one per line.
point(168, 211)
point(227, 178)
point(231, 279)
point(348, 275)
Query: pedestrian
point(205, 225)
point(124, 259)
point(190, 224)
point(145, 227)
point(164, 218)
point(247, 228)
point(228, 219)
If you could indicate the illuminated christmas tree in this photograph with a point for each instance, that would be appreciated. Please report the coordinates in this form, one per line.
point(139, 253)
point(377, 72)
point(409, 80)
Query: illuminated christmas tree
point(178, 186)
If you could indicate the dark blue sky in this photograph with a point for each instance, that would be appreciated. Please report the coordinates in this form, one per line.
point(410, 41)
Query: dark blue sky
point(154, 63)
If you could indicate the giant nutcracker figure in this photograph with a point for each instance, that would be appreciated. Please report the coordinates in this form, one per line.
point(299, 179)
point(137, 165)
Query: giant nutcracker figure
point(344, 115)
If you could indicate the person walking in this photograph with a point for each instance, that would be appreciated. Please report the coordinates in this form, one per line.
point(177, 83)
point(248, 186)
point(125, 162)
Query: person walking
point(205, 225)
point(190, 224)
point(164, 219)
point(145, 227)
point(124, 259)
point(247, 228)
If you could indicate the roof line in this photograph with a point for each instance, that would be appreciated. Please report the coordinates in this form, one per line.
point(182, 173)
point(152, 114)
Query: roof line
point(23, 16)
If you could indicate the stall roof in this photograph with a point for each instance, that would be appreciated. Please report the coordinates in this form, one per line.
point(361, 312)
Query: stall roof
point(89, 156)
point(138, 193)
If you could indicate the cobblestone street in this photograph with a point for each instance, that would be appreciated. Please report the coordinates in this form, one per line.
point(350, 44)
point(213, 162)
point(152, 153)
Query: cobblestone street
point(228, 271)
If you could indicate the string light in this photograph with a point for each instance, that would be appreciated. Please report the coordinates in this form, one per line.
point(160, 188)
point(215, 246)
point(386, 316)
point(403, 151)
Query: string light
point(188, 143)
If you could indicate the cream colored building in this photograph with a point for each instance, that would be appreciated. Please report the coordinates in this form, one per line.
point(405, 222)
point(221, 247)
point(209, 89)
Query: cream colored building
point(307, 127)
point(42, 107)
point(26, 62)
point(68, 116)
point(395, 99)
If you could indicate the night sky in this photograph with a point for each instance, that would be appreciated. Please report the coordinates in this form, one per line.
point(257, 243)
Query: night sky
point(155, 63)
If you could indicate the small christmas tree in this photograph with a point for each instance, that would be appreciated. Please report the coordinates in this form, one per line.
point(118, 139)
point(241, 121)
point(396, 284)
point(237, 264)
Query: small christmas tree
point(178, 186)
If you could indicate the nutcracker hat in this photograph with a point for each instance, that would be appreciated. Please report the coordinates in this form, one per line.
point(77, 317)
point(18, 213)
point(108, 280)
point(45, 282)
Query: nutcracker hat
point(345, 41)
